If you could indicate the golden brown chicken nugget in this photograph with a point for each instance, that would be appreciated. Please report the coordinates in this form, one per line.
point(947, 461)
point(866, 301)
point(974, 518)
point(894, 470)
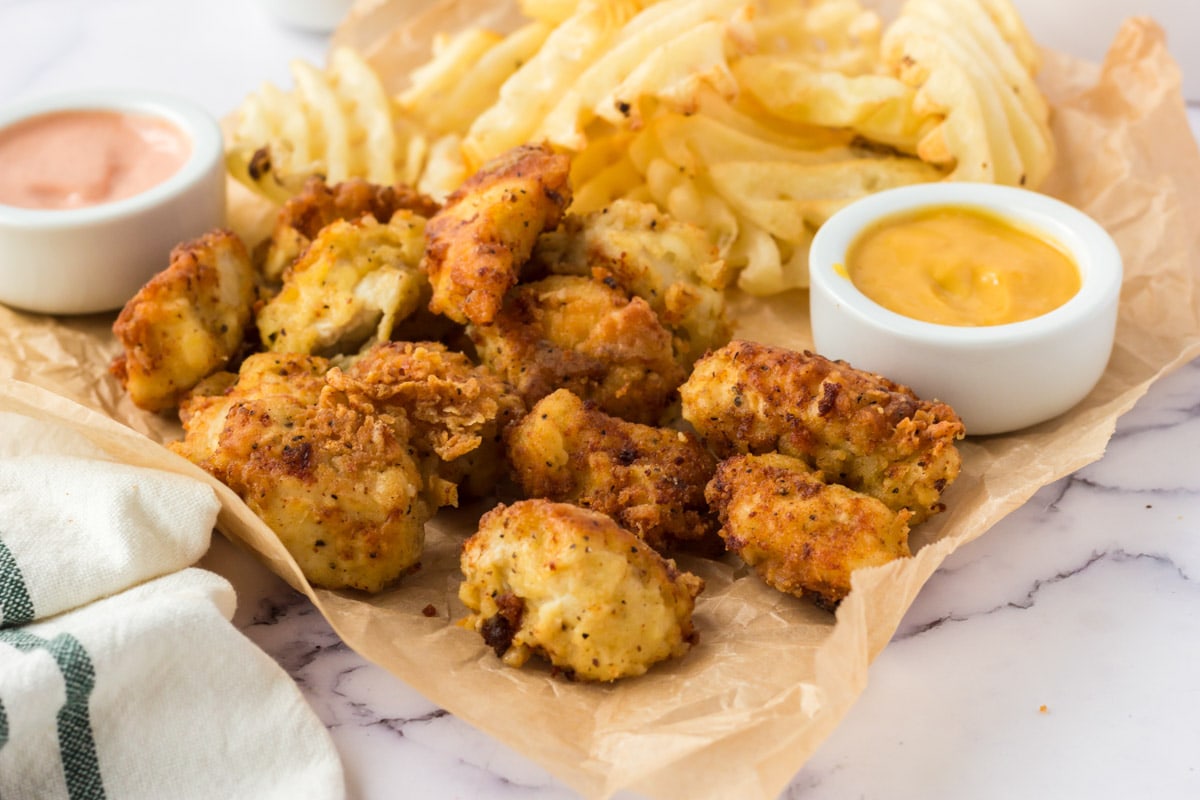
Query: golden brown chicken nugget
point(671, 264)
point(580, 334)
point(187, 322)
point(573, 586)
point(352, 284)
point(337, 485)
point(318, 204)
point(650, 480)
point(800, 534)
point(476, 244)
point(203, 410)
point(859, 429)
point(457, 409)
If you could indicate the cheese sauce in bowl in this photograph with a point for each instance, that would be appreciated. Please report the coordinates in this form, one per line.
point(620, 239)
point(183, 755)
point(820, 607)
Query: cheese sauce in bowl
point(95, 190)
point(999, 301)
point(961, 266)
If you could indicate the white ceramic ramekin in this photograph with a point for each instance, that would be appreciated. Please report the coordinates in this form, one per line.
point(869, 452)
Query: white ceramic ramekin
point(998, 378)
point(92, 259)
point(318, 16)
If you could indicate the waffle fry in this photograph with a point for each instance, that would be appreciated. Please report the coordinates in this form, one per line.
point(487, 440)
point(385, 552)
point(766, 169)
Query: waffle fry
point(753, 119)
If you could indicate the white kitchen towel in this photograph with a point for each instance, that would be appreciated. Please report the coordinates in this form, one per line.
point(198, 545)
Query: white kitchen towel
point(120, 673)
point(78, 526)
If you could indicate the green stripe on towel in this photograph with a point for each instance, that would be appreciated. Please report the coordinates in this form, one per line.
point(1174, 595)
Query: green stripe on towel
point(76, 744)
point(15, 606)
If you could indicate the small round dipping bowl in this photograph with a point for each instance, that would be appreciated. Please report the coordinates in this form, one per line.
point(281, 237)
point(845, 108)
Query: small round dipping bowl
point(999, 378)
point(94, 258)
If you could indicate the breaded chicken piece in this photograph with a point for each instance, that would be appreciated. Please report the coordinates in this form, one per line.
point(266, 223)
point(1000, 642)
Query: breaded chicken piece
point(203, 410)
point(579, 334)
point(187, 322)
point(457, 410)
point(303, 216)
point(351, 286)
point(860, 429)
point(337, 485)
point(476, 244)
point(571, 585)
point(670, 264)
point(650, 480)
point(801, 535)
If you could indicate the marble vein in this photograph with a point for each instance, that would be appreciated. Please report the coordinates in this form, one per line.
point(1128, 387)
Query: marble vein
point(1026, 602)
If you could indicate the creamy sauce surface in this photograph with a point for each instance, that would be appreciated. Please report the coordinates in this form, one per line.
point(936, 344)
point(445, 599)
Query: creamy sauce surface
point(73, 159)
point(961, 266)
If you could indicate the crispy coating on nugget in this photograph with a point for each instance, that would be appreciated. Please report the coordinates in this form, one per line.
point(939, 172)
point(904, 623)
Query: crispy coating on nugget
point(580, 334)
point(456, 409)
point(571, 585)
point(318, 204)
point(650, 480)
point(860, 429)
point(352, 285)
point(336, 484)
point(187, 322)
point(671, 264)
point(800, 534)
point(476, 244)
point(203, 410)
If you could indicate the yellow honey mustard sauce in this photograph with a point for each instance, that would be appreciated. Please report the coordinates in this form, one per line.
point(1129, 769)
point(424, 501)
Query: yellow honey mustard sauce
point(961, 266)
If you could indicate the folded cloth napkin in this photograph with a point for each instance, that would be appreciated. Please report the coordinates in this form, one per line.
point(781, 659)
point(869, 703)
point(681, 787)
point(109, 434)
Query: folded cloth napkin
point(120, 673)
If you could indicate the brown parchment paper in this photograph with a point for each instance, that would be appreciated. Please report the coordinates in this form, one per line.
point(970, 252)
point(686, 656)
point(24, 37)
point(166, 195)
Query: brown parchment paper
point(772, 675)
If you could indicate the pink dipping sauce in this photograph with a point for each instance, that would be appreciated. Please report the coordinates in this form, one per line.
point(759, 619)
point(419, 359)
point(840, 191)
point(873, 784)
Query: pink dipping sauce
point(73, 159)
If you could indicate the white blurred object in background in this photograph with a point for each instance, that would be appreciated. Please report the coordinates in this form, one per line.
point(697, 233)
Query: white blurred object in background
point(1086, 28)
point(319, 16)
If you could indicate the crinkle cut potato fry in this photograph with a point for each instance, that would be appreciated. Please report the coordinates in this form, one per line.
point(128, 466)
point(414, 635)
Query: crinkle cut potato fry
point(811, 104)
point(465, 75)
point(995, 124)
point(338, 123)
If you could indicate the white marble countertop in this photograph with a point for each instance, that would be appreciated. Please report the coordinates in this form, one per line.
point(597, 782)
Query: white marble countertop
point(1053, 657)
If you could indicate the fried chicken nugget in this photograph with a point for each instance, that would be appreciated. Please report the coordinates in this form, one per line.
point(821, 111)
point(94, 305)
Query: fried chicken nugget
point(457, 410)
point(580, 334)
point(337, 486)
point(476, 244)
point(860, 429)
point(800, 534)
point(351, 286)
point(202, 411)
point(672, 265)
point(187, 322)
point(318, 204)
point(573, 586)
point(650, 480)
